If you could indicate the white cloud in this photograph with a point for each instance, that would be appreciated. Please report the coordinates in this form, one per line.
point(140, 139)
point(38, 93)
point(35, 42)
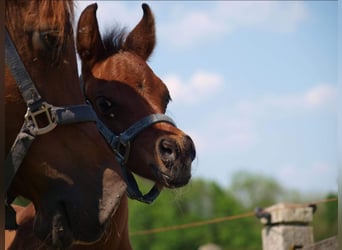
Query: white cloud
point(239, 125)
point(112, 13)
point(320, 95)
point(238, 134)
point(189, 25)
point(316, 174)
point(195, 26)
point(201, 85)
point(231, 134)
point(317, 97)
point(191, 28)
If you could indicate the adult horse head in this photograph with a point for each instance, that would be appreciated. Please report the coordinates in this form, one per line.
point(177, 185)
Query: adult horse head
point(131, 101)
point(68, 172)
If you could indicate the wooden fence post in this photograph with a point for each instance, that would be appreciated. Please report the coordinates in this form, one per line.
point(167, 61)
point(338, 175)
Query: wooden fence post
point(286, 226)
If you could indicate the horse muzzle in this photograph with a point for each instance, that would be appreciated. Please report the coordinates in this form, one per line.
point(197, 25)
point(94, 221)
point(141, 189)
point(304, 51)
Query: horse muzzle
point(176, 155)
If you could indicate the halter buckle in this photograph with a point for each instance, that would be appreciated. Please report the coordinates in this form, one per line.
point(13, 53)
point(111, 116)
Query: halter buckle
point(122, 150)
point(31, 118)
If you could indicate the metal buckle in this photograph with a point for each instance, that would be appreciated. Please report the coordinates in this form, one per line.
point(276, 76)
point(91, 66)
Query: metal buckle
point(122, 150)
point(31, 117)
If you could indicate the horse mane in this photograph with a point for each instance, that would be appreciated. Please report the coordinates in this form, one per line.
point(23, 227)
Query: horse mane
point(57, 14)
point(113, 41)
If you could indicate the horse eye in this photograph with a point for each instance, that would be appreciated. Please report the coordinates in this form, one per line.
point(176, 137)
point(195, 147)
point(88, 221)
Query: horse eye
point(104, 105)
point(50, 38)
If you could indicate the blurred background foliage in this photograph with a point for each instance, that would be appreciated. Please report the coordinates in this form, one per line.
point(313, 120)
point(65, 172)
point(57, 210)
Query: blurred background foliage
point(203, 200)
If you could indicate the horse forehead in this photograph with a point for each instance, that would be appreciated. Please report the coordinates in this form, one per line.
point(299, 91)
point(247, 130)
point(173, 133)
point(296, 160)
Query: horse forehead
point(124, 66)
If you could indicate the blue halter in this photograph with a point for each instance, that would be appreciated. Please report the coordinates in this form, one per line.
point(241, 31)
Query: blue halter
point(121, 145)
point(36, 106)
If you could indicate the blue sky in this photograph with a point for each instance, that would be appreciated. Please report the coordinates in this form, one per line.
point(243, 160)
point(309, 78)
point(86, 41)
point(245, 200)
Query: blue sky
point(254, 84)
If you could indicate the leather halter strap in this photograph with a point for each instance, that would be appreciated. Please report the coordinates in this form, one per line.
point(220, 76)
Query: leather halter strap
point(36, 106)
point(121, 145)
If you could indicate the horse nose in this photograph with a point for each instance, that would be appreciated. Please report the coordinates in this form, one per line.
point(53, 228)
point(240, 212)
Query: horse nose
point(168, 151)
point(171, 150)
point(189, 147)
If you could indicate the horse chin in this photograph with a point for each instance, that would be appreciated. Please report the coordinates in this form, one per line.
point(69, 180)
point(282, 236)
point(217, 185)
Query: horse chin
point(56, 230)
point(168, 179)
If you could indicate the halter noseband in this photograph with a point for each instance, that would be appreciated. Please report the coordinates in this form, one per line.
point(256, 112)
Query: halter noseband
point(36, 106)
point(121, 145)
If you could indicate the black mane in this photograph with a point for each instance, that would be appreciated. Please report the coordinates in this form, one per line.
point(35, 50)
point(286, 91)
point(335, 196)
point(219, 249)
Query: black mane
point(113, 40)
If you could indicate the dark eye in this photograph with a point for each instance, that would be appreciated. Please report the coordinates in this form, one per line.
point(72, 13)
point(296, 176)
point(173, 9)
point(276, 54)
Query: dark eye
point(46, 44)
point(50, 38)
point(104, 105)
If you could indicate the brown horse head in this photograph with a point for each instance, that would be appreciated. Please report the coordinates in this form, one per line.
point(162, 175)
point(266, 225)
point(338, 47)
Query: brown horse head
point(124, 90)
point(69, 173)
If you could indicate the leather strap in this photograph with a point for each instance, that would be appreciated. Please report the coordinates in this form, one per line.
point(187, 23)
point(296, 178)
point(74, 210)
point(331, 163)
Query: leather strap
point(25, 84)
point(120, 144)
point(35, 106)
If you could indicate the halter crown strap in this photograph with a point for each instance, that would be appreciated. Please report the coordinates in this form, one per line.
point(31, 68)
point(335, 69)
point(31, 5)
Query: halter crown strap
point(26, 86)
point(31, 96)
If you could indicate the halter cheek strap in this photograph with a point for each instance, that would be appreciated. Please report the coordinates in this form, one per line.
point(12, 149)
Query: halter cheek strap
point(36, 106)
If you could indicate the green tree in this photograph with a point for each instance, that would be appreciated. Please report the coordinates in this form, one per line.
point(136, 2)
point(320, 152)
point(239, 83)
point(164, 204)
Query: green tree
point(325, 222)
point(203, 200)
point(199, 201)
point(256, 190)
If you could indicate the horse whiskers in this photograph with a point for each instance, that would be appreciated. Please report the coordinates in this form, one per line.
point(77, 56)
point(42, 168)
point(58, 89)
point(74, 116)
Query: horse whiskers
point(177, 195)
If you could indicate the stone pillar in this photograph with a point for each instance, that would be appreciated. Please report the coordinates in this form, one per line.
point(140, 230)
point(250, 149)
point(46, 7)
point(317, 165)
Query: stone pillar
point(286, 226)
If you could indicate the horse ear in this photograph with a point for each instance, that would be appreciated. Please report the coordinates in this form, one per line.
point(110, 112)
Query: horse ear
point(142, 39)
point(89, 43)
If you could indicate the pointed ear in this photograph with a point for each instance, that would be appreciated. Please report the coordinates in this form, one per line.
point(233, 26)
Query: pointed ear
point(141, 40)
point(89, 43)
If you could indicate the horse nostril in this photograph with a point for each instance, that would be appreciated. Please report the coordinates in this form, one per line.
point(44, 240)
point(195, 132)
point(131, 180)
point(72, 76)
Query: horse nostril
point(168, 151)
point(189, 147)
point(166, 147)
